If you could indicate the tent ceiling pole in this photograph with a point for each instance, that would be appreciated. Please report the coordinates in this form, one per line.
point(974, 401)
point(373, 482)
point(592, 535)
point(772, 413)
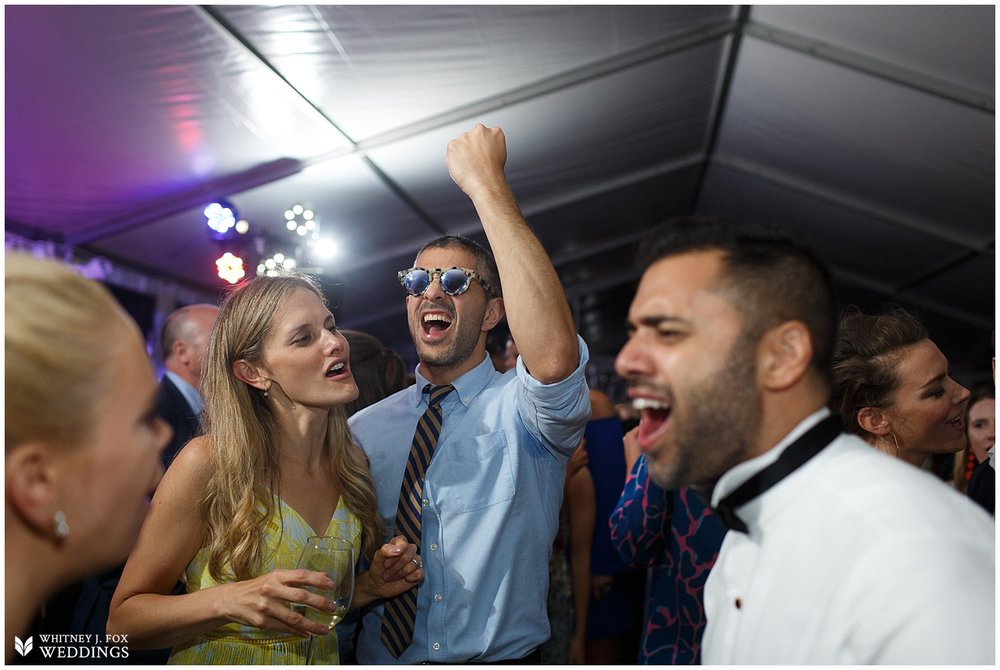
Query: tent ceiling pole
point(872, 66)
point(866, 282)
point(199, 195)
point(721, 100)
point(895, 219)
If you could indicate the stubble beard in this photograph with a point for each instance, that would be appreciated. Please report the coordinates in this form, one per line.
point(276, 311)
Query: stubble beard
point(720, 429)
point(454, 354)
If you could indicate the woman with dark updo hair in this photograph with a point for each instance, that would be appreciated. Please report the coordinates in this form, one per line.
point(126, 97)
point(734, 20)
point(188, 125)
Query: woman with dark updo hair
point(891, 386)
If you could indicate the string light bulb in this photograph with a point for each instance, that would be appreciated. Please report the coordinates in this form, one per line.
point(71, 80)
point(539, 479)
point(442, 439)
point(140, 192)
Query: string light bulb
point(230, 267)
point(302, 221)
point(220, 217)
point(274, 265)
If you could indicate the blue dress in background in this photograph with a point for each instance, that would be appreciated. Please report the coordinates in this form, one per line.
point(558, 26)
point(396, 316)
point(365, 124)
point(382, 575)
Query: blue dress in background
point(618, 611)
point(677, 537)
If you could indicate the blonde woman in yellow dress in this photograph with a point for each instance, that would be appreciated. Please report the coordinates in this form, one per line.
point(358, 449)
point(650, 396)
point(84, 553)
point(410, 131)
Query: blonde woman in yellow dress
point(275, 466)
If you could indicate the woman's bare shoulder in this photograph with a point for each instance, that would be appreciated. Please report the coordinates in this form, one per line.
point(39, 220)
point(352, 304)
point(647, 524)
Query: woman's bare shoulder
point(192, 466)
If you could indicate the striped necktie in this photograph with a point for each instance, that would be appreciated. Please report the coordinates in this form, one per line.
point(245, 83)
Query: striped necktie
point(401, 611)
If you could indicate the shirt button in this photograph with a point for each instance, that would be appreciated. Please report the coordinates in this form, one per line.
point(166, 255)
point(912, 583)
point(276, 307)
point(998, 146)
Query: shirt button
point(438, 597)
point(739, 603)
point(434, 547)
point(424, 502)
point(436, 646)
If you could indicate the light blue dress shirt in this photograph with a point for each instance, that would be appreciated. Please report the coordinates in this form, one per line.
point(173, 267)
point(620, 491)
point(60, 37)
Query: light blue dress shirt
point(492, 495)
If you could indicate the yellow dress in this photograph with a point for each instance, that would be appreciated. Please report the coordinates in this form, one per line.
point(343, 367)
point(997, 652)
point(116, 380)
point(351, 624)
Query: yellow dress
point(239, 644)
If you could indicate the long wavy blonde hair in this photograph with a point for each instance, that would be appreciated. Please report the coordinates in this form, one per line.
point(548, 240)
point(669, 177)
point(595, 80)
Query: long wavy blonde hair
point(243, 435)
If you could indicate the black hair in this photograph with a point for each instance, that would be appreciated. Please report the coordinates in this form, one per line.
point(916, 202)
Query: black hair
point(772, 277)
point(865, 357)
point(486, 265)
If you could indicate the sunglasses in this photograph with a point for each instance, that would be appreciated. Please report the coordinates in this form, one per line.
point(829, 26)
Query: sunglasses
point(454, 281)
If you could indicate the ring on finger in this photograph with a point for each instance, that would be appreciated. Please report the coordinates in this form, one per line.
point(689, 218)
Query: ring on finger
point(417, 563)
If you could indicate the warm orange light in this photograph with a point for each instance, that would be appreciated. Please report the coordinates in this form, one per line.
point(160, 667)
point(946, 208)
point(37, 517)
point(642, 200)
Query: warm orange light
point(230, 267)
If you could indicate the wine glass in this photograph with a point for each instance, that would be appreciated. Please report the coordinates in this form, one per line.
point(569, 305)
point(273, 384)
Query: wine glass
point(335, 557)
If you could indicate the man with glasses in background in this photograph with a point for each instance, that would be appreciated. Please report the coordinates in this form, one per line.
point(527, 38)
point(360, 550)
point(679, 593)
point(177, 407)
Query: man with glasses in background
point(478, 485)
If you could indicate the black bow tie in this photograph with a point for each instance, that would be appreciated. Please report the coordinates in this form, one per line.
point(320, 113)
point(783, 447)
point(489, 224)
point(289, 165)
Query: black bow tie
point(798, 452)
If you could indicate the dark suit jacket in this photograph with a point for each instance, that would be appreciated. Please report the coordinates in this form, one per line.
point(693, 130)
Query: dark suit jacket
point(982, 486)
point(178, 413)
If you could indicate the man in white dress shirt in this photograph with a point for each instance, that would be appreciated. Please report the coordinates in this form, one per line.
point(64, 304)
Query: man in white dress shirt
point(841, 554)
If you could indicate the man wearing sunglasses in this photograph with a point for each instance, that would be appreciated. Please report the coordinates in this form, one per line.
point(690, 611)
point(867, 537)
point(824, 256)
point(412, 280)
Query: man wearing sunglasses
point(490, 497)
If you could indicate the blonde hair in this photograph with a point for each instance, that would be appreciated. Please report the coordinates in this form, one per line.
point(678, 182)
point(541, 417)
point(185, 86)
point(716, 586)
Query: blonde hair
point(243, 435)
point(58, 350)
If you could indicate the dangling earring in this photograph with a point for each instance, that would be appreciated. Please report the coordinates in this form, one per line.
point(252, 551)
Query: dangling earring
point(265, 393)
point(893, 436)
point(61, 527)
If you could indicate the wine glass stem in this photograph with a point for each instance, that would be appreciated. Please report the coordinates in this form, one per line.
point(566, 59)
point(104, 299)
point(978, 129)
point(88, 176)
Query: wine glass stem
point(309, 649)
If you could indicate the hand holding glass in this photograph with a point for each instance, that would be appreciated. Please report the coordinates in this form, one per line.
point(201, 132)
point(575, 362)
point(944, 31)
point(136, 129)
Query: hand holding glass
point(335, 557)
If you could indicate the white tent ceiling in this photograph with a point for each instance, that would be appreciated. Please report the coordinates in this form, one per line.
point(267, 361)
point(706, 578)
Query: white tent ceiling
point(867, 130)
